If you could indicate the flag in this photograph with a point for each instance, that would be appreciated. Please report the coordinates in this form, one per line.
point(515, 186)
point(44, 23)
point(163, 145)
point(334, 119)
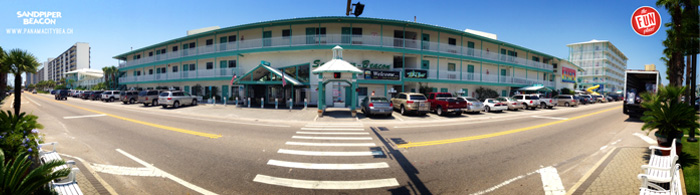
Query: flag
point(284, 82)
point(233, 78)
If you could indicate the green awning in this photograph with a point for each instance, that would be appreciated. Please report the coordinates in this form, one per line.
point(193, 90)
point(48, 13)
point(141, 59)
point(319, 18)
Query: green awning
point(263, 74)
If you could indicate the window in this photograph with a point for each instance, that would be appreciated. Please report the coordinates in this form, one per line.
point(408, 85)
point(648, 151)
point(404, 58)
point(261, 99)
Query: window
point(174, 68)
point(232, 63)
point(321, 31)
point(232, 38)
point(286, 33)
point(163, 70)
point(192, 45)
point(138, 56)
point(150, 71)
point(210, 65)
point(356, 32)
point(162, 51)
point(150, 54)
point(174, 48)
point(398, 62)
point(192, 67)
point(210, 41)
point(555, 66)
point(452, 41)
point(451, 66)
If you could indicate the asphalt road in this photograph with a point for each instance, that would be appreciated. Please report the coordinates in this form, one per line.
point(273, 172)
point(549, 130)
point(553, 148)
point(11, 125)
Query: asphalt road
point(487, 153)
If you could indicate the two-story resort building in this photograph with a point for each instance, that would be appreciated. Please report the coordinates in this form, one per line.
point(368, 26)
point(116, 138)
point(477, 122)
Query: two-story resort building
point(394, 55)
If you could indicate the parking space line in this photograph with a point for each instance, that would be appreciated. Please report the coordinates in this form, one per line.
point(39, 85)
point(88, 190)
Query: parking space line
point(332, 144)
point(84, 116)
point(328, 153)
point(332, 133)
point(327, 185)
point(397, 116)
point(331, 138)
point(319, 166)
point(331, 129)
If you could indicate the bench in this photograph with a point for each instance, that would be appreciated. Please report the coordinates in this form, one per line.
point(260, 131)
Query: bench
point(66, 185)
point(660, 168)
point(674, 187)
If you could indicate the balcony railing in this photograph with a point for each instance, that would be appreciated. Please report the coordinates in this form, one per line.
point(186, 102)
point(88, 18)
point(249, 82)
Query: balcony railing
point(204, 73)
point(338, 39)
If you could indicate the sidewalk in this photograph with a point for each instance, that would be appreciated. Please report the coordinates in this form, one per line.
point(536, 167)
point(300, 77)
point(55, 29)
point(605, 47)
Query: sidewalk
point(617, 174)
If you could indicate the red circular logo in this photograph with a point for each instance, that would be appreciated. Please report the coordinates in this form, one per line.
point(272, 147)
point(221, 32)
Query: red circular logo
point(646, 21)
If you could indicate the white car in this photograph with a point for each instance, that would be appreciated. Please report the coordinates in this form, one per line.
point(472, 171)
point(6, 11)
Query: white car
point(493, 105)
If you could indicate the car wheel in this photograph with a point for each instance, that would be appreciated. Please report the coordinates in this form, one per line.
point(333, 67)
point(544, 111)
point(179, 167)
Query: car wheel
point(111, 99)
point(164, 106)
point(566, 104)
point(403, 110)
point(488, 109)
point(458, 113)
point(438, 110)
point(176, 104)
point(543, 106)
point(131, 101)
point(194, 102)
point(154, 103)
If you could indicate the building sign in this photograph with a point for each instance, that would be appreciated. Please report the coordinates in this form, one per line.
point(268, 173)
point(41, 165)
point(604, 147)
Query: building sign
point(382, 74)
point(365, 65)
point(568, 75)
point(416, 74)
point(646, 21)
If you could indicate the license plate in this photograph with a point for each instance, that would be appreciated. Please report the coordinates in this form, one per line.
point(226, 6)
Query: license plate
point(422, 104)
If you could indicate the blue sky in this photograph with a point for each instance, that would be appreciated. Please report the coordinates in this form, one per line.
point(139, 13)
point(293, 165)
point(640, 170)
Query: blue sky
point(113, 27)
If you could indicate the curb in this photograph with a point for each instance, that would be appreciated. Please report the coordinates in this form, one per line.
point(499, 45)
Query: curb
point(588, 174)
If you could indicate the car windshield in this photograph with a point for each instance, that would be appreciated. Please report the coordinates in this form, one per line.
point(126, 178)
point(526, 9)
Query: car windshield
point(143, 93)
point(379, 99)
point(534, 97)
point(472, 99)
point(443, 95)
point(164, 94)
point(417, 97)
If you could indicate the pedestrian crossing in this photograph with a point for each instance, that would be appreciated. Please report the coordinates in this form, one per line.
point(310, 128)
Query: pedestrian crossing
point(327, 146)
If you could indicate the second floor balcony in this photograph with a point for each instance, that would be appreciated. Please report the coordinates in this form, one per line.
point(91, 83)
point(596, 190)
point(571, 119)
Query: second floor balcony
point(339, 39)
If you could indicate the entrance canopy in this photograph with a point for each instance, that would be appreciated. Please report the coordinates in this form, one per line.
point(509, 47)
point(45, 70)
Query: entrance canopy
point(337, 64)
point(535, 88)
point(264, 74)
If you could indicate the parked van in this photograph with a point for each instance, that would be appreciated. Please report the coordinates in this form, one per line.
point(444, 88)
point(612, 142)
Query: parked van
point(568, 100)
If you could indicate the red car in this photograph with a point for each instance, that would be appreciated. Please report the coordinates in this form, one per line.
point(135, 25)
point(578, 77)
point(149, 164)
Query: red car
point(442, 103)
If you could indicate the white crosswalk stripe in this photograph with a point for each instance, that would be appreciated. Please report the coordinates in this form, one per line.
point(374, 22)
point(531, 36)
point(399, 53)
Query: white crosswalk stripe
point(321, 136)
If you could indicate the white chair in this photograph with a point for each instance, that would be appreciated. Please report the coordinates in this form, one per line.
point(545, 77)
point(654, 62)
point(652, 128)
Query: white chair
point(674, 186)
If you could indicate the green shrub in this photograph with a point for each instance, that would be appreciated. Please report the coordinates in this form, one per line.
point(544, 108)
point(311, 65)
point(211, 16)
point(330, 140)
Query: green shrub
point(16, 177)
point(19, 133)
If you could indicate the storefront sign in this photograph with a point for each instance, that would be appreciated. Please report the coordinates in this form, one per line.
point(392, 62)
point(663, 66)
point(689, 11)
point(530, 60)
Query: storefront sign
point(365, 65)
point(568, 75)
point(382, 74)
point(416, 74)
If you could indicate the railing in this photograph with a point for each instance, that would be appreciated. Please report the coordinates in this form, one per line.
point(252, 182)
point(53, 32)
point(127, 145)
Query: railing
point(338, 39)
point(202, 73)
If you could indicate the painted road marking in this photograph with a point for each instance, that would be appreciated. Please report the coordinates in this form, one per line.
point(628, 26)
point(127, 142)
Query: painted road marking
point(331, 129)
point(551, 182)
point(167, 175)
point(209, 135)
point(327, 185)
point(332, 133)
point(331, 144)
point(320, 153)
point(470, 138)
point(334, 125)
point(129, 171)
point(491, 189)
point(300, 165)
point(547, 117)
point(32, 101)
point(331, 138)
point(646, 138)
point(84, 116)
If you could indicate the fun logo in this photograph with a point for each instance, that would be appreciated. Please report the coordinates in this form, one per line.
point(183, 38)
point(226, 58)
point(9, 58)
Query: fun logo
point(646, 21)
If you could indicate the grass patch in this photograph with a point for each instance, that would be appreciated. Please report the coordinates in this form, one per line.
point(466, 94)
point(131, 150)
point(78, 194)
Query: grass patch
point(691, 169)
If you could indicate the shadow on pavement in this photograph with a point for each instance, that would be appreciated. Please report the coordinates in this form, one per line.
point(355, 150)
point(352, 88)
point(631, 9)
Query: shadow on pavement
point(633, 120)
point(415, 183)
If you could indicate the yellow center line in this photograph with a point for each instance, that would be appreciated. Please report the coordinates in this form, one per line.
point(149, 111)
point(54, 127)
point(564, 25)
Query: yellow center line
point(463, 139)
point(209, 135)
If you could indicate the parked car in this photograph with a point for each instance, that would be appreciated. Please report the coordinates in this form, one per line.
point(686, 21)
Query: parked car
point(129, 97)
point(491, 105)
point(609, 98)
point(61, 95)
point(473, 105)
point(176, 99)
point(34, 91)
point(411, 102)
point(53, 92)
point(588, 99)
point(148, 97)
point(76, 94)
point(376, 105)
point(109, 96)
point(96, 95)
point(512, 103)
point(567, 100)
point(615, 97)
point(600, 99)
point(442, 103)
point(528, 101)
point(85, 95)
point(547, 102)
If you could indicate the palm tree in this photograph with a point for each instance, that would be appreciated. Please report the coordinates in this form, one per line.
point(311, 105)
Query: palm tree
point(20, 61)
point(674, 40)
point(110, 76)
point(15, 177)
point(3, 73)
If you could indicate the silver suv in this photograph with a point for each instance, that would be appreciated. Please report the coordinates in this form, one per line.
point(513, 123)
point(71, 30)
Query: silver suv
point(176, 99)
point(148, 97)
point(528, 101)
point(109, 96)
